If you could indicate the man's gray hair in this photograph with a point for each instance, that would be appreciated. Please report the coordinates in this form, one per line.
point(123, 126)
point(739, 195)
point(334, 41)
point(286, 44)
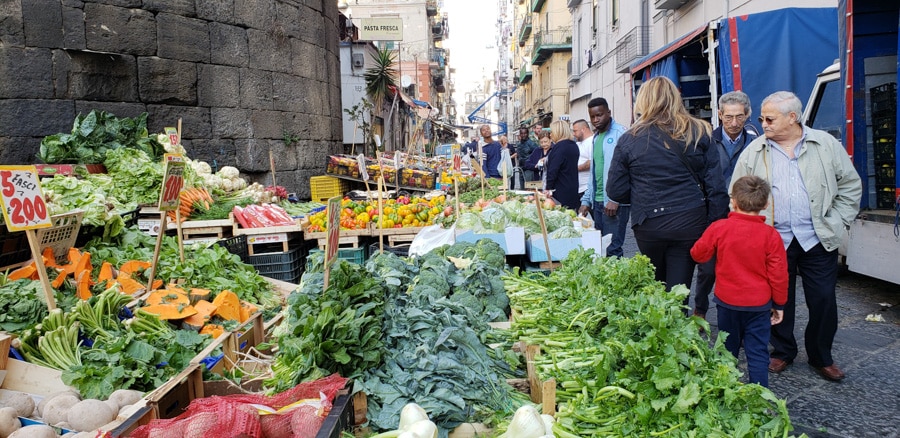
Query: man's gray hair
point(736, 97)
point(786, 103)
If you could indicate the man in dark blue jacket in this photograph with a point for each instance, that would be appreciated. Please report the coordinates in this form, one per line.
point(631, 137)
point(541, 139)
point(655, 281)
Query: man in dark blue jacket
point(490, 153)
point(730, 138)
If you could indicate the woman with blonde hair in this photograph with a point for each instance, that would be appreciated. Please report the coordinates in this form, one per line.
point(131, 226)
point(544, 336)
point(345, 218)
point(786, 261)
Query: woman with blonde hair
point(666, 167)
point(562, 166)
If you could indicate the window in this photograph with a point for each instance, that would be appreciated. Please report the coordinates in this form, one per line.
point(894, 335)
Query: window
point(614, 13)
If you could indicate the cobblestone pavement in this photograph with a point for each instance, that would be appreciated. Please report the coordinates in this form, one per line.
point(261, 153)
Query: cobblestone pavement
point(867, 402)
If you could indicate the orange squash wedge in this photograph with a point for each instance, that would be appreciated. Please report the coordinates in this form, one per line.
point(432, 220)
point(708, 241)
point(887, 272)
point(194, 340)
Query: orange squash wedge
point(167, 296)
point(83, 285)
point(171, 311)
point(228, 306)
point(27, 272)
point(195, 322)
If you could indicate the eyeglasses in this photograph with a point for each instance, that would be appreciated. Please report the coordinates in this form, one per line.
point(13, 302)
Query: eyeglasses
point(767, 120)
point(731, 118)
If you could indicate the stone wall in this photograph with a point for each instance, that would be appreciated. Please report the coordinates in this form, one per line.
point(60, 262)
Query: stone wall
point(243, 75)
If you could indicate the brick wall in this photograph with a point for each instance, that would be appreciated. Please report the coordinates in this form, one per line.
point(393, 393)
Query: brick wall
point(239, 73)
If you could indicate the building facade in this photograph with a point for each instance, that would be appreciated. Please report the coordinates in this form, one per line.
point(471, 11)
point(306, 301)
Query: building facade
point(612, 37)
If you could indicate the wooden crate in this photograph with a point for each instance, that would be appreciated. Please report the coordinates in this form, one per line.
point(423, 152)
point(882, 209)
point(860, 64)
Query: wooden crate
point(343, 242)
point(541, 391)
point(211, 230)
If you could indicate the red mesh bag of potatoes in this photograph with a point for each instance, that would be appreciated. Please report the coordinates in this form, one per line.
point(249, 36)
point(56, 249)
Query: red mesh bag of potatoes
point(296, 412)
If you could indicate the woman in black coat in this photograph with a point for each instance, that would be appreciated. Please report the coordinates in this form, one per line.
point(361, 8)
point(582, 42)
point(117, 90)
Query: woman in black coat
point(662, 166)
point(562, 166)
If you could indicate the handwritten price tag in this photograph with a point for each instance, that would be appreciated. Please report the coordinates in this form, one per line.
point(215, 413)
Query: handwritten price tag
point(173, 181)
point(174, 138)
point(22, 199)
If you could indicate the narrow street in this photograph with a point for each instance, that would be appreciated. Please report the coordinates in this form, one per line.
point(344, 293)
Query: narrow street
point(867, 402)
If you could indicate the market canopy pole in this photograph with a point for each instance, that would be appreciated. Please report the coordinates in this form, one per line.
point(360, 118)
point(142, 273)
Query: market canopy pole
point(173, 182)
point(457, 169)
point(24, 209)
point(380, 213)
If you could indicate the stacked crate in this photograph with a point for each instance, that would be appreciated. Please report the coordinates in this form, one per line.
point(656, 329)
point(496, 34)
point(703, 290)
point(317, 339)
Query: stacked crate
point(884, 131)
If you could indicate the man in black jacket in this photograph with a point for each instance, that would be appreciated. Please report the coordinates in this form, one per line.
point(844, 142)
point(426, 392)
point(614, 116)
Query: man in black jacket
point(730, 138)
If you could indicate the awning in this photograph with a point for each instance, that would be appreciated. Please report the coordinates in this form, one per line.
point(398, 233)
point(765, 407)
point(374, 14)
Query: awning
point(664, 51)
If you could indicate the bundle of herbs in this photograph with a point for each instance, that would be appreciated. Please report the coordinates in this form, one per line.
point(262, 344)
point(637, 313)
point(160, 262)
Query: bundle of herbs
point(627, 361)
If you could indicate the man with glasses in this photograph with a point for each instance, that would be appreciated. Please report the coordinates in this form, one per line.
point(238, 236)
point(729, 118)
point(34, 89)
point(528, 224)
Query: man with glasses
point(731, 137)
point(815, 196)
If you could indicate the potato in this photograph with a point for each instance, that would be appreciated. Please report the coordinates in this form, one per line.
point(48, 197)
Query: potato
point(42, 403)
point(23, 402)
point(35, 431)
point(57, 409)
point(9, 422)
point(90, 414)
point(124, 397)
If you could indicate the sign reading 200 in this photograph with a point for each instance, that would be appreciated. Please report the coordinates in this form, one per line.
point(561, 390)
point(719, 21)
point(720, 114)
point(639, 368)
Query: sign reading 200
point(22, 197)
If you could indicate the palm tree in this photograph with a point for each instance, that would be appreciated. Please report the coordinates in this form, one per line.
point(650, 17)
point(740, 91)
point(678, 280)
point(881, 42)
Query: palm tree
point(381, 79)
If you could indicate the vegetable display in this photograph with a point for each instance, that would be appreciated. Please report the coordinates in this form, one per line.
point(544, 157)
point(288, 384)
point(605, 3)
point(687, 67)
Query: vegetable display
point(96, 133)
point(626, 360)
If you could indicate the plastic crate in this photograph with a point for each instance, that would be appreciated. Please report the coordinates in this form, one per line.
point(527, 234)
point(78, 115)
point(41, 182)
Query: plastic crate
point(237, 245)
point(885, 151)
point(401, 250)
point(323, 188)
point(131, 217)
point(352, 255)
point(62, 235)
point(886, 199)
point(280, 262)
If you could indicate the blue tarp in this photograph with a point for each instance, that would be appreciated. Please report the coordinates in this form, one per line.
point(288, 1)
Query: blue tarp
point(777, 50)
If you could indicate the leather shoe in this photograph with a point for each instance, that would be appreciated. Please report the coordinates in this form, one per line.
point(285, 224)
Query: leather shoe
point(777, 365)
point(831, 372)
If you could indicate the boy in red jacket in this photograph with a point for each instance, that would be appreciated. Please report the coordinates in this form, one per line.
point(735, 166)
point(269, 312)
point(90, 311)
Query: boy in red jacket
point(751, 274)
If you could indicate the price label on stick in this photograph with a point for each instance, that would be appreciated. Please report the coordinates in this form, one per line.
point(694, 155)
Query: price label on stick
point(361, 162)
point(457, 162)
point(173, 181)
point(174, 138)
point(477, 168)
point(23, 201)
point(333, 213)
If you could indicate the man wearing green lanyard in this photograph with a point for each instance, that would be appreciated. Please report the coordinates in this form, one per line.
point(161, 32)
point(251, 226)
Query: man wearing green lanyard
point(609, 217)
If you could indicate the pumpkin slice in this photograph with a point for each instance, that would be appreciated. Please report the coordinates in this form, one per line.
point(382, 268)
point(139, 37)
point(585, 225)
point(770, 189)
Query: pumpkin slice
point(132, 267)
point(195, 322)
point(214, 330)
point(130, 286)
point(228, 306)
point(49, 258)
point(167, 296)
point(106, 272)
point(248, 309)
point(27, 272)
point(197, 295)
point(83, 285)
point(59, 280)
point(171, 311)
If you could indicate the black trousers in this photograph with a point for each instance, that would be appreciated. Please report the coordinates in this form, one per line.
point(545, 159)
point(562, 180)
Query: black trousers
point(818, 269)
point(672, 260)
point(706, 278)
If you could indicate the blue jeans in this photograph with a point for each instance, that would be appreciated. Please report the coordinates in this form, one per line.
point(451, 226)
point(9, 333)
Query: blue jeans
point(615, 225)
point(752, 329)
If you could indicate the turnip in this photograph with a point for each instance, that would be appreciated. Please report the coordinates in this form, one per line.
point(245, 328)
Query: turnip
point(22, 402)
point(9, 421)
point(35, 431)
point(56, 410)
point(90, 414)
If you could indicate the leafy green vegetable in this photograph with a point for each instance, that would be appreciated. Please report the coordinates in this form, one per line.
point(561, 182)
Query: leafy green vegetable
point(626, 360)
point(135, 175)
point(95, 134)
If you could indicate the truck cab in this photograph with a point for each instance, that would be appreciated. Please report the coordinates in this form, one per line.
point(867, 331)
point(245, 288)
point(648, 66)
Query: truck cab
point(856, 100)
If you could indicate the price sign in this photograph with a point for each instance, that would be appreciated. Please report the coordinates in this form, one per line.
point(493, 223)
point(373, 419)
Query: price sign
point(361, 162)
point(457, 161)
point(477, 168)
point(174, 138)
point(173, 181)
point(22, 199)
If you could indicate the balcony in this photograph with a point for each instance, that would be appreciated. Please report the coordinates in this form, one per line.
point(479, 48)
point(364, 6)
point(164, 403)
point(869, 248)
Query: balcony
point(537, 5)
point(438, 58)
point(546, 43)
point(431, 8)
point(634, 45)
point(524, 30)
point(524, 74)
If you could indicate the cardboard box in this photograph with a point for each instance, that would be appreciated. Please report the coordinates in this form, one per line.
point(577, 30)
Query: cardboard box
point(559, 248)
point(512, 240)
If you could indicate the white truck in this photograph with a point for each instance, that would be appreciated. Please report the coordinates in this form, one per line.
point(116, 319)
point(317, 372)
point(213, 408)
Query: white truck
point(855, 100)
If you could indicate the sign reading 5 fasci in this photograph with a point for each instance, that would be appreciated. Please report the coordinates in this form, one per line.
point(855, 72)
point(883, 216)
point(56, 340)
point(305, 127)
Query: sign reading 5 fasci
point(22, 199)
point(381, 29)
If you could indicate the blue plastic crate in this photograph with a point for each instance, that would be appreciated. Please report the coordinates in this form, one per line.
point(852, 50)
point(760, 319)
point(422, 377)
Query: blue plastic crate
point(352, 255)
